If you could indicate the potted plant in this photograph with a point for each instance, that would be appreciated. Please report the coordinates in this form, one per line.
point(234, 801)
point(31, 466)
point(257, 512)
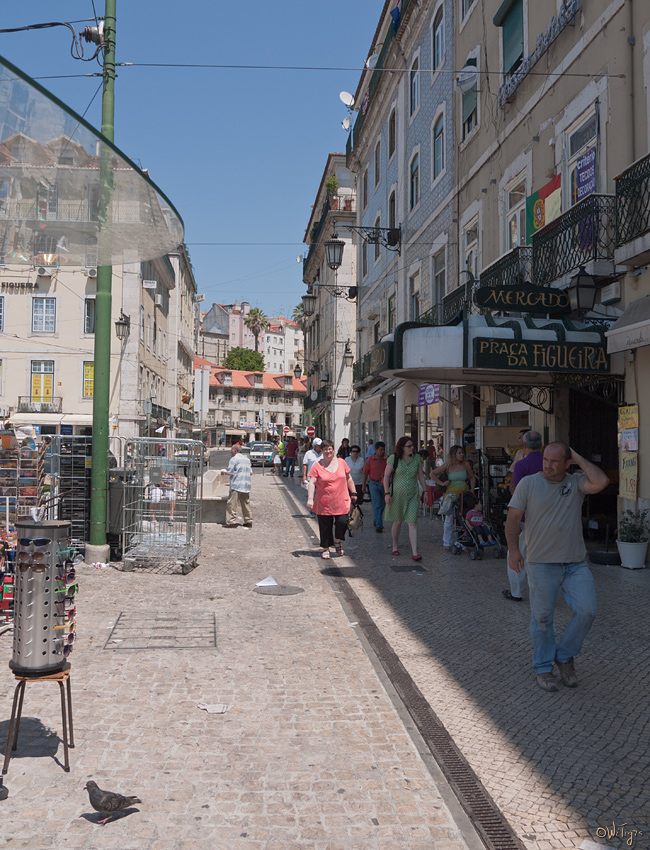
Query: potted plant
point(632, 539)
point(332, 187)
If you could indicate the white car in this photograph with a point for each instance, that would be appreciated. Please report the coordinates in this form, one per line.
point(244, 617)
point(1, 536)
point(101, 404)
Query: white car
point(260, 453)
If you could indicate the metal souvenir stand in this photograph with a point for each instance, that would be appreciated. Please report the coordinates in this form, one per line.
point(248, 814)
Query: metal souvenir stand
point(70, 465)
point(496, 493)
point(44, 624)
point(162, 495)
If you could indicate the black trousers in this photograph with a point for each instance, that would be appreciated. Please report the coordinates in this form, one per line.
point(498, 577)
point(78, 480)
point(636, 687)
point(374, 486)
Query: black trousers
point(325, 524)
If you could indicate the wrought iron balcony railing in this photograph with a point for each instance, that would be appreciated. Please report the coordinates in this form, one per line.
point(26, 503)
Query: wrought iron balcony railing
point(585, 232)
point(452, 306)
point(159, 412)
point(361, 368)
point(633, 201)
point(28, 404)
point(184, 415)
point(511, 269)
point(321, 394)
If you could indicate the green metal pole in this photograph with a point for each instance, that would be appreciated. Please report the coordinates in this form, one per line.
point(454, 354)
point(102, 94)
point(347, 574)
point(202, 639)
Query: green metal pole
point(103, 318)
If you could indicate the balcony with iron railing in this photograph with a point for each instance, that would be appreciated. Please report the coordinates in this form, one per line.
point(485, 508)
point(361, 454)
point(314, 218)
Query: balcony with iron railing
point(361, 368)
point(30, 404)
point(582, 236)
point(511, 269)
point(320, 395)
point(633, 211)
point(185, 415)
point(160, 412)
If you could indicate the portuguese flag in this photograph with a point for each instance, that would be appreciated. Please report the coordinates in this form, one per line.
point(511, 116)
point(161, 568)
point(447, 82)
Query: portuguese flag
point(543, 206)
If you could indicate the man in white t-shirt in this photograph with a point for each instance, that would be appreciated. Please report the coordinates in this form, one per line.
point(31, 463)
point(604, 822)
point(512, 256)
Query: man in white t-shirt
point(555, 557)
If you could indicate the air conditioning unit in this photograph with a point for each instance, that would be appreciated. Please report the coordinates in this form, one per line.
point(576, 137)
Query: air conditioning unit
point(324, 375)
point(44, 271)
point(91, 272)
point(158, 300)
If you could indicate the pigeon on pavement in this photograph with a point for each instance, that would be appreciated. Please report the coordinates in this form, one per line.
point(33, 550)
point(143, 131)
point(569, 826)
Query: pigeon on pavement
point(106, 802)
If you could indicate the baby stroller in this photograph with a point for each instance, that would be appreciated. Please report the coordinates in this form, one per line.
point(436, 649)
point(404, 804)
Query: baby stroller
point(466, 537)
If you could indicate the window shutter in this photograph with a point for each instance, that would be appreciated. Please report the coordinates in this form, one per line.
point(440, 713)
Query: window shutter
point(513, 36)
point(469, 98)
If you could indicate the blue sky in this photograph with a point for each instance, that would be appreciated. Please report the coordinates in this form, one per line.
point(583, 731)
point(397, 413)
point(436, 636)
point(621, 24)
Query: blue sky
point(239, 152)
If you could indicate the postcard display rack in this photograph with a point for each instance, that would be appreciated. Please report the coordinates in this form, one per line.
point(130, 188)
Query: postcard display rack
point(44, 598)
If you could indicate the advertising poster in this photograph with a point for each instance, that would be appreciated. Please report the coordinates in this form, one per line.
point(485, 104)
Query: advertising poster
point(628, 475)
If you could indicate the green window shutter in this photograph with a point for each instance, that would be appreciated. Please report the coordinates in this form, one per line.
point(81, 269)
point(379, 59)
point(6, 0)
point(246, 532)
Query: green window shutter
point(513, 35)
point(469, 98)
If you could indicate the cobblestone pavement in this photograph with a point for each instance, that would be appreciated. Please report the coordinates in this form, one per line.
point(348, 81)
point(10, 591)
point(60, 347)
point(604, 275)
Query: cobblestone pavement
point(312, 753)
point(563, 767)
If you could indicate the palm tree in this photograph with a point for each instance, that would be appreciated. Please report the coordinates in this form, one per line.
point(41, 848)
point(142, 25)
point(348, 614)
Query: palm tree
point(256, 322)
point(299, 317)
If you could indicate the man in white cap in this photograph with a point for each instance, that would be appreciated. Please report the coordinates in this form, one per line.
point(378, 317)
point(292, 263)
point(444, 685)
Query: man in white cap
point(314, 455)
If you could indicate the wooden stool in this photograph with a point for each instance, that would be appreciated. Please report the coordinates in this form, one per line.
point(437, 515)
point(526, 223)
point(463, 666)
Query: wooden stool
point(66, 714)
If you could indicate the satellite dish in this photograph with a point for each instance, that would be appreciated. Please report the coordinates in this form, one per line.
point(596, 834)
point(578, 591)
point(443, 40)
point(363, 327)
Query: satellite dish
point(467, 78)
point(347, 123)
point(347, 99)
point(371, 61)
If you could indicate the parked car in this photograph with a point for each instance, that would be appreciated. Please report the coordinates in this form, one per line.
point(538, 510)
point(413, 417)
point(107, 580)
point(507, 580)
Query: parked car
point(259, 453)
point(183, 457)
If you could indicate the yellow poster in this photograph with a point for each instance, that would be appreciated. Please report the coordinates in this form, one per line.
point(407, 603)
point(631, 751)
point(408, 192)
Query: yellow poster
point(42, 385)
point(628, 475)
point(628, 417)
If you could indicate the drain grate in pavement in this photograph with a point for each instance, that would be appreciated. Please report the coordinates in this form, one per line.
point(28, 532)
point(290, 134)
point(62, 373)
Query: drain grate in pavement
point(279, 590)
point(162, 630)
point(406, 569)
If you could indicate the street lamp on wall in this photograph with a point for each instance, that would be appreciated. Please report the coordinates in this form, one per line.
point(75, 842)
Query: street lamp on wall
point(582, 292)
point(309, 304)
point(334, 253)
point(348, 356)
point(122, 326)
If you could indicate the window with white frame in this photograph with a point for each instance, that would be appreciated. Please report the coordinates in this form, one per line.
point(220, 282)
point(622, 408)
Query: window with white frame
point(469, 104)
point(414, 184)
point(414, 86)
point(465, 8)
point(470, 247)
point(510, 18)
point(437, 40)
point(142, 324)
point(89, 316)
point(364, 258)
point(439, 276)
point(414, 297)
point(377, 164)
point(148, 331)
point(2, 313)
point(515, 210)
point(392, 133)
point(377, 244)
point(581, 138)
point(44, 315)
point(42, 380)
point(438, 146)
point(364, 189)
point(89, 379)
point(392, 210)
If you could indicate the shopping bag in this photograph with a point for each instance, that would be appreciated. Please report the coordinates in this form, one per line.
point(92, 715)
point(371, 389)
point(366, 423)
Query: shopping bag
point(447, 505)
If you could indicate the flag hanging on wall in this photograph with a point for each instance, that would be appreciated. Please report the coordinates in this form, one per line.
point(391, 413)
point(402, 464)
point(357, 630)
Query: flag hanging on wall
point(543, 206)
point(395, 15)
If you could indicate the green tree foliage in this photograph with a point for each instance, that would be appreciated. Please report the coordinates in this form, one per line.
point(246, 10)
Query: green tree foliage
point(244, 358)
point(256, 322)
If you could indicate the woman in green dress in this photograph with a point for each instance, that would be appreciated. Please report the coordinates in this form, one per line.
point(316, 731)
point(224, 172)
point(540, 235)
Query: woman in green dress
point(403, 472)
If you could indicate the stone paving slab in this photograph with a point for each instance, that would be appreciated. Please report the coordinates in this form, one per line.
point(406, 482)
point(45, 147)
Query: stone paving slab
point(560, 766)
point(311, 754)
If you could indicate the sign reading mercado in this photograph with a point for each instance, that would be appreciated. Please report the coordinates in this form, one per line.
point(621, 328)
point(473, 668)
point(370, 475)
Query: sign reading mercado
point(542, 43)
point(526, 298)
point(540, 356)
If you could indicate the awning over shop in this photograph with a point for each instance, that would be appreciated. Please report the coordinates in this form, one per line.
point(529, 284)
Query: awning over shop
point(488, 351)
point(632, 329)
point(77, 419)
point(354, 413)
point(35, 418)
point(372, 408)
point(234, 432)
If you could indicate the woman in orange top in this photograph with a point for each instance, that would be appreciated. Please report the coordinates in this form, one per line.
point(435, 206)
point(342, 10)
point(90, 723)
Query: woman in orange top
point(330, 491)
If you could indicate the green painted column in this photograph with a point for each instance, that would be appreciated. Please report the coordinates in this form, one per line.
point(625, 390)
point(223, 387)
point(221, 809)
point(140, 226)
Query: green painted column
point(103, 317)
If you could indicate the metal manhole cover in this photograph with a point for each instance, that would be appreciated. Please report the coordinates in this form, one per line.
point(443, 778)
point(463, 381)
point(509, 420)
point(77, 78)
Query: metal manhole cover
point(279, 590)
point(163, 630)
point(406, 569)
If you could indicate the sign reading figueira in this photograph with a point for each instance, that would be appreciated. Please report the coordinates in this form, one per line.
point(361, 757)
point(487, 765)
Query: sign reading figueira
point(526, 298)
point(540, 356)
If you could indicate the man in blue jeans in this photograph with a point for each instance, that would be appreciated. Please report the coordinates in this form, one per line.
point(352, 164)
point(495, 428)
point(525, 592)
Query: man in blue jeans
point(373, 477)
point(556, 557)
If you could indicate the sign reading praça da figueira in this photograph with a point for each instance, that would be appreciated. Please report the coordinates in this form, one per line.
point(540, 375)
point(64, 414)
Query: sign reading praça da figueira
point(540, 356)
point(524, 298)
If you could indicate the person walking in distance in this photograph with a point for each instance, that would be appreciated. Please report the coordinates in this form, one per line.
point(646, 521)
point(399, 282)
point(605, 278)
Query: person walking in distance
point(552, 502)
point(240, 472)
point(344, 449)
point(529, 464)
point(355, 464)
point(290, 450)
point(373, 483)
